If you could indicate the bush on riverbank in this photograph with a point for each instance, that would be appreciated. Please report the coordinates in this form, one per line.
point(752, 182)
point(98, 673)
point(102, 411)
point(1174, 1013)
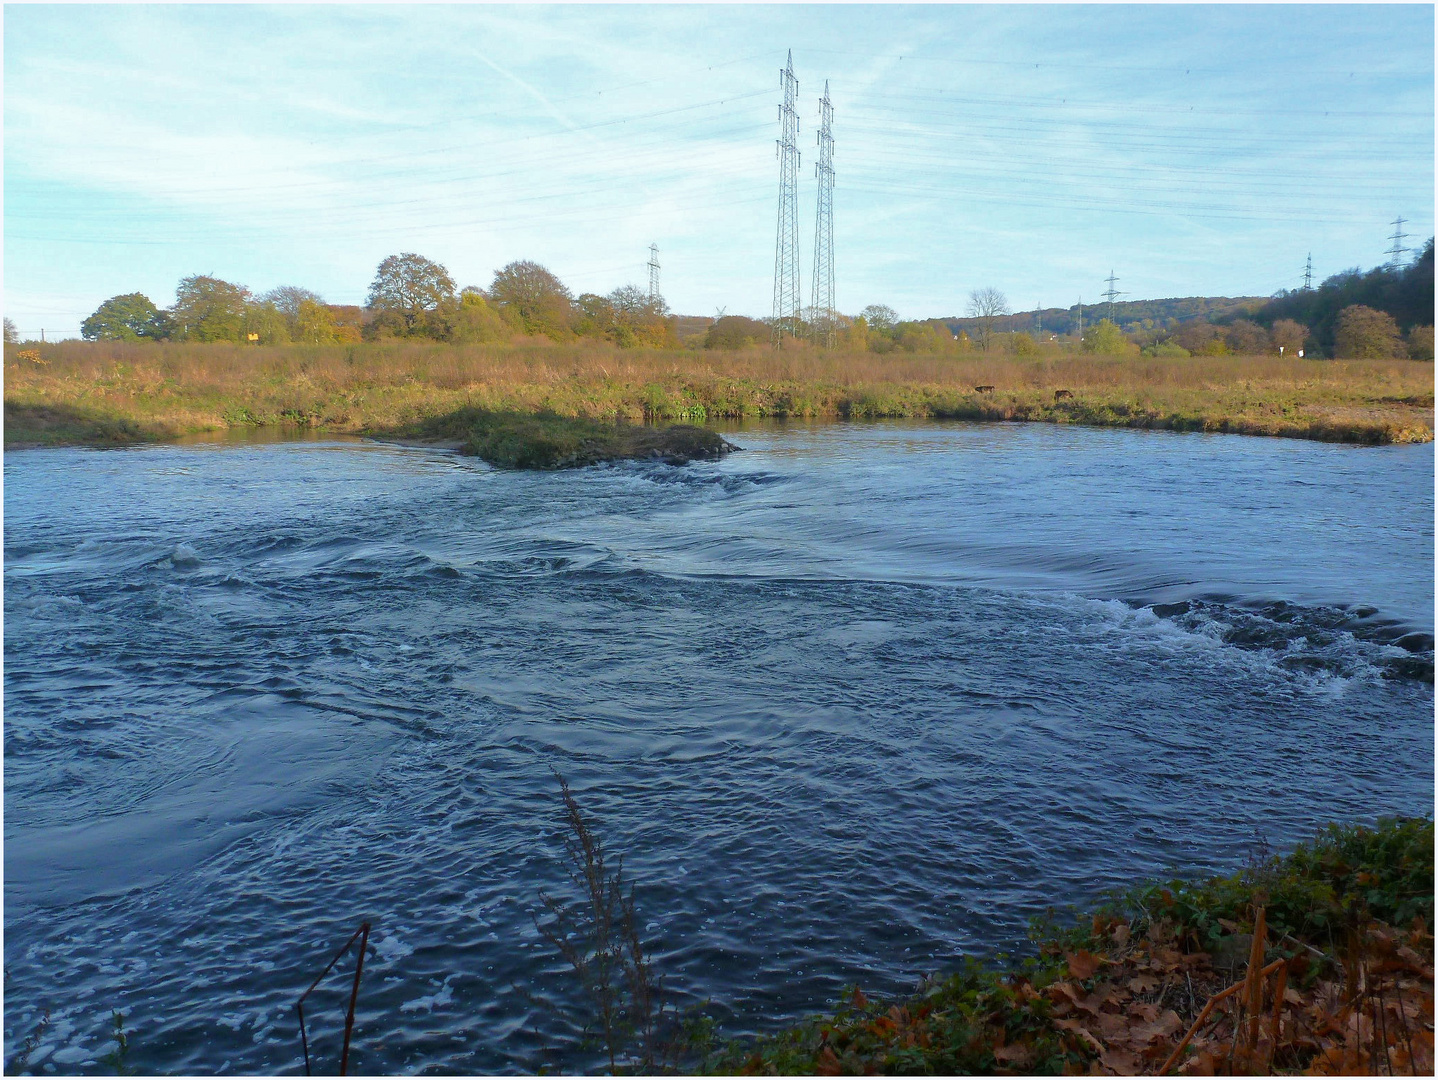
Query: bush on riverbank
point(1339, 927)
point(169, 389)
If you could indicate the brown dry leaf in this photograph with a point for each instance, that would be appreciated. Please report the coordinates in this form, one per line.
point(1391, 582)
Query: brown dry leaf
point(1418, 967)
point(1167, 1024)
point(1338, 1061)
point(828, 1063)
point(1120, 933)
point(1082, 964)
point(1144, 1011)
point(1014, 1056)
point(860, 1001)
point(1204, 1063)
point(1143, 984)
point(1292, 996)
point(1082, 1032)
point(1168, 958)
point(1113, 1027)
point(1120, 1062)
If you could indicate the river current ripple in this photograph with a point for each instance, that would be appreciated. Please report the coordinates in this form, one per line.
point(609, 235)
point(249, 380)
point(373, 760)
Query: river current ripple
point(852, 703)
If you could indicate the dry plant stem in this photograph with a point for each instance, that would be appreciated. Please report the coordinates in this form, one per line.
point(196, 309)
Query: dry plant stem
point(1207, 1010)
point(1253, 999)
point(1279, 989)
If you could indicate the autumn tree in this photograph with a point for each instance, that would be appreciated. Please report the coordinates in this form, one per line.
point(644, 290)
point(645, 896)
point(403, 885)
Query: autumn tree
point(1245, 338)
point(209, 309)
point(287, 299)
point(475, 320)
point(1364, 333)
point(987, 305)
point(533, 300)
point(407, 292)
point(879, 318)
point(130, 317)
point(12, 336)
point(1200, 338)
point(1287, 336)
point(1420, 343)
point(314, 323)
point(736, 332)
point(1106, 339)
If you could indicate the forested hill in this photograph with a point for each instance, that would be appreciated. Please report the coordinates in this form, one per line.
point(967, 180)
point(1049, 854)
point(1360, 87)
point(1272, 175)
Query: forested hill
point(1129, 314)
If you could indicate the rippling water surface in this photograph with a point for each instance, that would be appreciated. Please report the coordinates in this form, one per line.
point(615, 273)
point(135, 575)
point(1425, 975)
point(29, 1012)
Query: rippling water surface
point(852, 702)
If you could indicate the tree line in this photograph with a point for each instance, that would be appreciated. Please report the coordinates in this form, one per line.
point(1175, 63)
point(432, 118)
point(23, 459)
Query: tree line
point(1384, 312)
point(410, 297)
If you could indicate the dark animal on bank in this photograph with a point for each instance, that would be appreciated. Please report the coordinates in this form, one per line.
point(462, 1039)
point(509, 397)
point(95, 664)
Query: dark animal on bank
point(1059, 395)
point(983, 389)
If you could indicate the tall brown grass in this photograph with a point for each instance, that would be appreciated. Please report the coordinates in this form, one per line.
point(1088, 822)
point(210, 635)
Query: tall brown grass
point(153, 390)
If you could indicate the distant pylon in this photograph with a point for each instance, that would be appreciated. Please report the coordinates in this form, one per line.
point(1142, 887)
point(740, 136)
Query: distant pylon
point(1397, 251)
point(1308, 274)
point(1111, 295)
point(823, 306)
point(786, 253)
point(654, 271)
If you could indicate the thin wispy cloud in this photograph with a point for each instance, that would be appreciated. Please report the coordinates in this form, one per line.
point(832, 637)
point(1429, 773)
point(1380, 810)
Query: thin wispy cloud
point(1194, 150)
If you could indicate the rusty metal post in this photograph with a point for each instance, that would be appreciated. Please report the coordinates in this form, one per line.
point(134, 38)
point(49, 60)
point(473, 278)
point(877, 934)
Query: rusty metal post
point(354, 994)
point(363, 934)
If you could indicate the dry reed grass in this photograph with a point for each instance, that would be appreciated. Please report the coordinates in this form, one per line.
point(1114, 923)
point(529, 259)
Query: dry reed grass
point(113, 391)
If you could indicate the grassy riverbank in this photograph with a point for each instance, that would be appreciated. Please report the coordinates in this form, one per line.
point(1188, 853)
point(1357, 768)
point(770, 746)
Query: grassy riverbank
point(1330, 948)
point(111, 393)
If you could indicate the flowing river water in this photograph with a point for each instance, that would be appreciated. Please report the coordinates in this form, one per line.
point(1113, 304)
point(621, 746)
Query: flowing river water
point(852, 703)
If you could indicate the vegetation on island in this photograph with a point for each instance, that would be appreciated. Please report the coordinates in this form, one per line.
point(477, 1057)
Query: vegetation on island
point(548, 441)
point(1316, 961)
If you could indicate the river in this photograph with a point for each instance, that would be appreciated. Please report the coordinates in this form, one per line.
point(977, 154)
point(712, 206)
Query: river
point(851, 703)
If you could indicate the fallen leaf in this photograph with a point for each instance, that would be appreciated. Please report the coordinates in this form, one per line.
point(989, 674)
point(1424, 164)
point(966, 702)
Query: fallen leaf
point(828, 1064)
point(1120, 1062)
point(1144, 1011)
point(1167, 1024)
point(1120, 933)
point(1143, 984)
point(1082, 964)
point(1082, 1032)
point(1015, 1056)
point(860, 1001)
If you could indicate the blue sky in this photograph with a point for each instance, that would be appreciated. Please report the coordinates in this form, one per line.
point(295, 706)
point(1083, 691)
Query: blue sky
point(1193, 150)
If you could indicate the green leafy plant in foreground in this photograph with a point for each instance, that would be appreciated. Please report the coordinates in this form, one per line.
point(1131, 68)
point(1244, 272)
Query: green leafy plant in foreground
point(1000, 1017)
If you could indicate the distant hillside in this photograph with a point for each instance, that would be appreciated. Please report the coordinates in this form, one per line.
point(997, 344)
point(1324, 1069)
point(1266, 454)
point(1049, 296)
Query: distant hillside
point(1129, 314)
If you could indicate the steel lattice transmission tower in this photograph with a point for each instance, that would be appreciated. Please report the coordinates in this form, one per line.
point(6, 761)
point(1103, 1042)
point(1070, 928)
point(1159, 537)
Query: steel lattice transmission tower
point(1397, 251)
point(823, 306)
point(1112, 294)
point(1308, 274)
point(654, 271)
point(786, 253)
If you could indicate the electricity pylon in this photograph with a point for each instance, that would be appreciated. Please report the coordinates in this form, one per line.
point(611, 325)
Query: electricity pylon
point(1397, 251)
point(654, 271)
point(1111, 295)
point(823, 306)
point(1308, 274)
point(786, 253)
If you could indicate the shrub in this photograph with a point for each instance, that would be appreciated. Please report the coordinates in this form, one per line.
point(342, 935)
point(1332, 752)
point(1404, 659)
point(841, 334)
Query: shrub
point(1364, 333)
point(1420, 343)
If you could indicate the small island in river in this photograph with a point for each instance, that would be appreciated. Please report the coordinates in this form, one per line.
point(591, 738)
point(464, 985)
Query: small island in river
point(548, 441)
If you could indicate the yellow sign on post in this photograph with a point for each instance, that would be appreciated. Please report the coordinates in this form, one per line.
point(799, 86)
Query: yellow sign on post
point(253, 337)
